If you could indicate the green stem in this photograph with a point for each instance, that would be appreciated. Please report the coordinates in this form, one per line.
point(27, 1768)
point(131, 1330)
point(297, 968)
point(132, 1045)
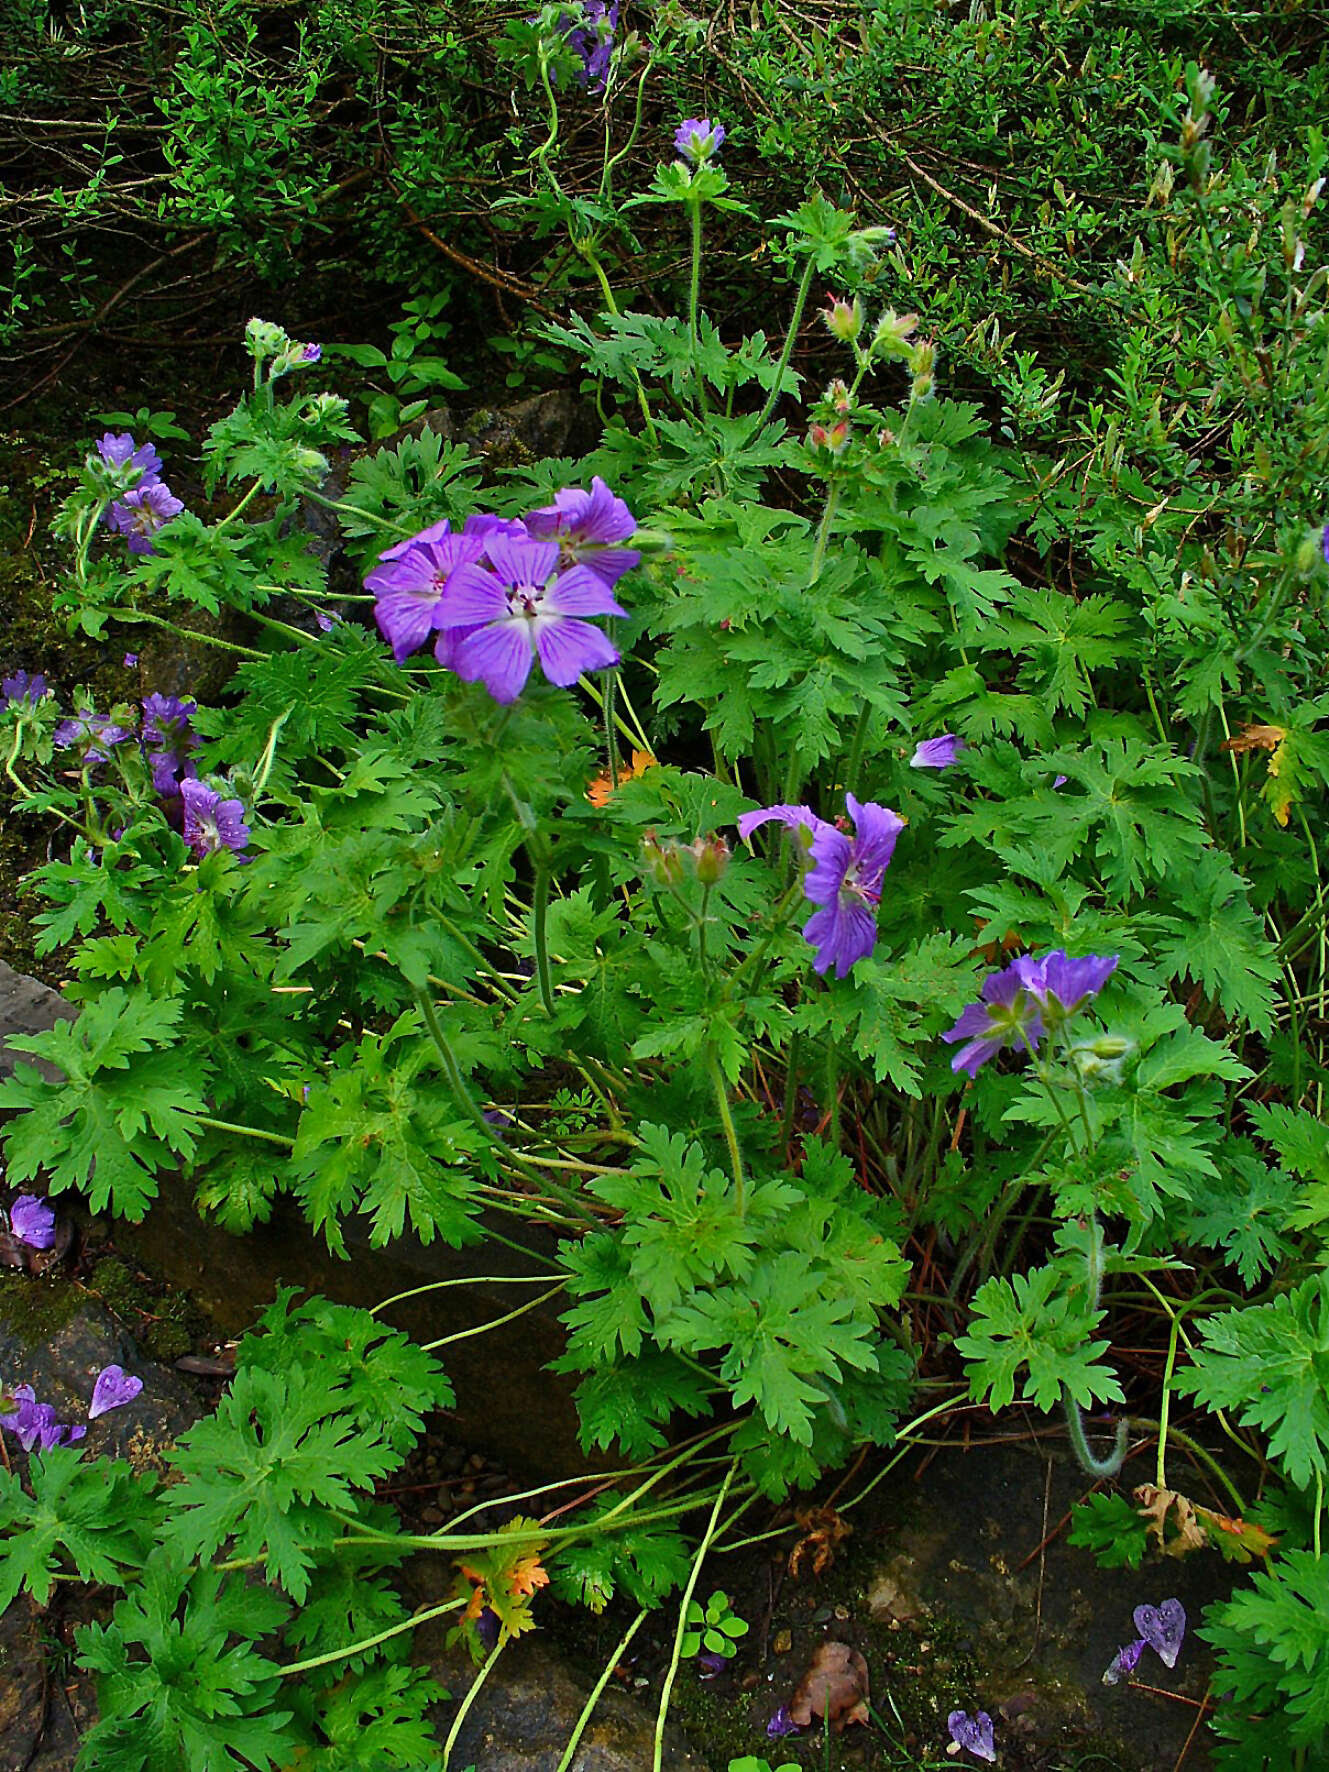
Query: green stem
point(849, 781)
point(540, 936)
point(1092, 1466)
point(304, 1667)
point(588, 1708)
point(694, 299)
point(824, 531)
point(239, 507)
point(727, 1122)
point(532, 1304)
point(672, 1673)
point(800, 302)
point(472, 1694)
point(244, 1131)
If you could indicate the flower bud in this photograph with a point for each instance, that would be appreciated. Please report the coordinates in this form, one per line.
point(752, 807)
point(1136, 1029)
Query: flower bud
point(711, 854)
point(890, 339)
point(264, 339)
point(833, 437)
point(837, 395)
point(844, 319)
point(661, 861)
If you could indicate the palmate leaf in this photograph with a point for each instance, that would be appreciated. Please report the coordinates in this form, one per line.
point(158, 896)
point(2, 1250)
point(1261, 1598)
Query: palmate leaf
point(1245, 1211)
point(1272, 1639)
point(373, 1721)
point(371, 1138)
point(1220, 942)
point(180, 1686)
point(90, 890)
point(631, 1401)
point(374, 1373)
point(95, 1518)
point(1035, 1322)
point(1269, 1365)
point(124, 1111)
point(1136, 807)
point(1064, 639)
point(262, 1473)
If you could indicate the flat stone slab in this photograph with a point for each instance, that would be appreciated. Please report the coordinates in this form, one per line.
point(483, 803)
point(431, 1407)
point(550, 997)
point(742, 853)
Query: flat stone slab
point(27, 1007)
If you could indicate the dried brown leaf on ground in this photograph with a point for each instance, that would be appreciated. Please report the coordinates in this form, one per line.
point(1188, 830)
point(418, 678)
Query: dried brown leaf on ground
point(823, 1532)
point(1164, 1508)
point(835, 1687)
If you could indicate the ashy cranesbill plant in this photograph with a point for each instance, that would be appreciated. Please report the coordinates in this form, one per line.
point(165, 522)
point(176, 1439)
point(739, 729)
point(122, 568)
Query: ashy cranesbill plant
point(401, 931)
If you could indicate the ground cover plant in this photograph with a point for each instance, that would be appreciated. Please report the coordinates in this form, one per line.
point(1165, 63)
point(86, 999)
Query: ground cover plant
point(892, 847)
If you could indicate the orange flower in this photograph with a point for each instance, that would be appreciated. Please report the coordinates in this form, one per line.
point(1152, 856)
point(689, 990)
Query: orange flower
point(602, 788)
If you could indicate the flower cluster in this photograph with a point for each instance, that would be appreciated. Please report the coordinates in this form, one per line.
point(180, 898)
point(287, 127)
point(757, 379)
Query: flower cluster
point(168, 738)
point(21, 690)
point(1017, 1006)
point(845, 878)
point(591, 34)
point(269, 344)
point(144, 506)
point(502, 592)
point(34, 1424)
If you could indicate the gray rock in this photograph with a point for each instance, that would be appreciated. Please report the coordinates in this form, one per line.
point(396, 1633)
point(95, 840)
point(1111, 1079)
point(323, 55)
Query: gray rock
point(57, 1339)
point(27, 1007)
point(525, 1713)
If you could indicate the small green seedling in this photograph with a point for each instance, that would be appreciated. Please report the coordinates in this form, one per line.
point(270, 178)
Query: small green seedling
point(716, 1628)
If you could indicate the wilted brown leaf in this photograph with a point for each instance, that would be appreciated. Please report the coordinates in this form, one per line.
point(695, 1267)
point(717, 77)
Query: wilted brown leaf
point(823, 1533)
point(1164, 1508)
point(1255, 738)
point(835, 1687)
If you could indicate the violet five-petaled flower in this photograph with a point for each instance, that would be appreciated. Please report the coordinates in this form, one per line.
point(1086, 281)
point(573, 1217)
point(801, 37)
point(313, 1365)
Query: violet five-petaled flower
point(1016, 1005)
point(92, 735)
point(974, 1733)
point(1124, 1662)
point(937, 753)
point(139, 514)
point(23, 688)
point(845, 878)
point(118, 450)
point(498, 619)
point(588, 527)
point(781, 1724)
point(698, 140)
point(32, 1221)
point(211, 823)
point(411, 576)
point(114, 1388)
point(1163, 1627)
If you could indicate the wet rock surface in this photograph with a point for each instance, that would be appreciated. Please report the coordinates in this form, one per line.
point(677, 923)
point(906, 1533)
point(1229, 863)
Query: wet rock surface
point(27, 1007)
point(530, 1704)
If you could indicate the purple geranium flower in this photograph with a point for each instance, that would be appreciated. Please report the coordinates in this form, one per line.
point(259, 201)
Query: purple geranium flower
point(587, 527)
point(1017, 1005)
point(976, 1735)
point(845, 878)
point(32, 1221)
point(141, 513)
point(710, 1663)
point(937, 753)
point(92, 735)
point(1163, 1628)
point(1006, 1014)
point(1124, 1662)
point(211, 823)
point(118, 450)
point(1062, 984)
point(114, 1388)
point(592, 36)
point(524, 608)
point(781, 1724)
point(1324, 544)
point(22, 687)
point(697, 139)
point(168, 738)
point(34, 1424)
point(409, 588)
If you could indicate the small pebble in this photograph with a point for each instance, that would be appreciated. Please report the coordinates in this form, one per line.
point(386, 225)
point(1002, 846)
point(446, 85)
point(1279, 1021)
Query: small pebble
point(822, 1615)
point(783, 1642)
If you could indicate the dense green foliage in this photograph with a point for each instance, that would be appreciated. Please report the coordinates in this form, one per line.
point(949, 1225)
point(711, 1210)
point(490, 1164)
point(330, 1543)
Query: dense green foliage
point(476, 964)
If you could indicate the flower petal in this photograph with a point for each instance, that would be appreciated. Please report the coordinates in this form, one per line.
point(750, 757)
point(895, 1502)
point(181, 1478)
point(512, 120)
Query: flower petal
point(499, 656)
point(580, 591)
point(567, 648)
